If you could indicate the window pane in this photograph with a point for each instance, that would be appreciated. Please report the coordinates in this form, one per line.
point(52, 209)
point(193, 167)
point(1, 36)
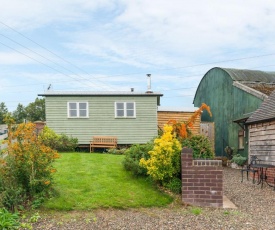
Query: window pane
point(82, 105)
point(241, 143)
point(72, 105)
point(73, 113)
point(130, 105)
point(120, 105)
point(120, 113)
point(82, 113)
point(130, 113)
point(241, 139)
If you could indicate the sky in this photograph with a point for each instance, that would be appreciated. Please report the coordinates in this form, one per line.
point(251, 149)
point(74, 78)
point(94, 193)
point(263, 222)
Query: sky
point(110, 45)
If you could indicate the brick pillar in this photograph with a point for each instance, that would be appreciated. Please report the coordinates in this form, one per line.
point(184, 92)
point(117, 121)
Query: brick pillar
point(201, 180)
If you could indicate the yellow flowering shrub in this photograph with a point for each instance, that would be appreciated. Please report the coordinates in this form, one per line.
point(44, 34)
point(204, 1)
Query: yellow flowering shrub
point(59, 142)
point(164, 160)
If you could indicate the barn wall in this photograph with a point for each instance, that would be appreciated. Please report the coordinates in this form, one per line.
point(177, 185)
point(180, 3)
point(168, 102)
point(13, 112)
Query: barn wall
point(262, 140)
point(262, 144)
point(227, 103)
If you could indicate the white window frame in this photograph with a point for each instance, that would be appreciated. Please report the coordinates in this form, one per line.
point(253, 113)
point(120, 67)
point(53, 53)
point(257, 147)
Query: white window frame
point(125, 109)
point(77, 109)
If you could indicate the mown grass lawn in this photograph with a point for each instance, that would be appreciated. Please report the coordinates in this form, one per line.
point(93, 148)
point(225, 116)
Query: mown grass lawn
point(86, 181)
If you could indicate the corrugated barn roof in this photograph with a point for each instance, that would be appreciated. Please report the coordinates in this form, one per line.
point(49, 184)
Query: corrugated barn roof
point(261, 81)
point(251, 75)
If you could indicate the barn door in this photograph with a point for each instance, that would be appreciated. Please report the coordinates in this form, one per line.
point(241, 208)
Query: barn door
point(208, 129)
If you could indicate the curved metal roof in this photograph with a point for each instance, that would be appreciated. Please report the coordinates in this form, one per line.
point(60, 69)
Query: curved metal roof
point(250, 75)
point(245, 76)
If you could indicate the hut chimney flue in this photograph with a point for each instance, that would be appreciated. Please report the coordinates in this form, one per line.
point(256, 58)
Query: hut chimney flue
point(149, 90)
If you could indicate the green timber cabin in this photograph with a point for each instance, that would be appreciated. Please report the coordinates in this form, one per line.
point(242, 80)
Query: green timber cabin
point(130, 116)
point(233, 95)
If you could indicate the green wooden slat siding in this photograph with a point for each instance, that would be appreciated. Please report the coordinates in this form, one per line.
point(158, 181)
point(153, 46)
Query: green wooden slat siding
point(227, 103)
point(102, 119)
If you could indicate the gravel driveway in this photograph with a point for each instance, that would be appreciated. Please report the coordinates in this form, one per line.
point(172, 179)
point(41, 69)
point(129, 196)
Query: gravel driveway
point(255, 210)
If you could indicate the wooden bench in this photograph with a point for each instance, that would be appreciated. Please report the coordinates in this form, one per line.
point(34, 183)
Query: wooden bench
point(103, 142)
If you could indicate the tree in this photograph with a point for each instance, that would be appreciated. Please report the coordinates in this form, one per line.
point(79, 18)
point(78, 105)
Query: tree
point(3, 112)
point(26, 173)
point(8, 119)
point(36, 110)
point(19, 114)
point(182, 128)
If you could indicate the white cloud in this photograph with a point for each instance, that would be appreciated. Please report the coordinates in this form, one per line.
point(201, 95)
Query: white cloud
point(175, 33)
point(173, 40)
point(11, 58)
point(32, 14)
point(142, 33)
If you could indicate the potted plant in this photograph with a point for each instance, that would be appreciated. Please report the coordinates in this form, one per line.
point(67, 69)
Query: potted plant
point(238, 161)
point(229, 151)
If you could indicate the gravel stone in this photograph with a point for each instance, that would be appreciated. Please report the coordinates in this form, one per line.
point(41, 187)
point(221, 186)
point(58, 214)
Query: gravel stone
point(255, 210)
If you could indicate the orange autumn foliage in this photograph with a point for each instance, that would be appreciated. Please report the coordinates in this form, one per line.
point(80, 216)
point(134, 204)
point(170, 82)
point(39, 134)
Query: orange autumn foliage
point(28, 162)
point(182, 128)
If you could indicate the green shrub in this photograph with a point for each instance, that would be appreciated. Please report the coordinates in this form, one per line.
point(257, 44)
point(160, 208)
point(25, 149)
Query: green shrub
point(116, 151)
point(26, 171)
point(12, 194)
point(61, 143)
point(174, 185)
point(8, 220)
point(49, 138)
point(133, 156)
point(201, 146)
point(11, 221)
point(66, 143)
point(239, 160)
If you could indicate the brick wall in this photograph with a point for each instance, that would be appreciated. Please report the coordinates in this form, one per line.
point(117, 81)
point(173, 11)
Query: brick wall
point(202, 180)
point(39, 125)
point(270, 175)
